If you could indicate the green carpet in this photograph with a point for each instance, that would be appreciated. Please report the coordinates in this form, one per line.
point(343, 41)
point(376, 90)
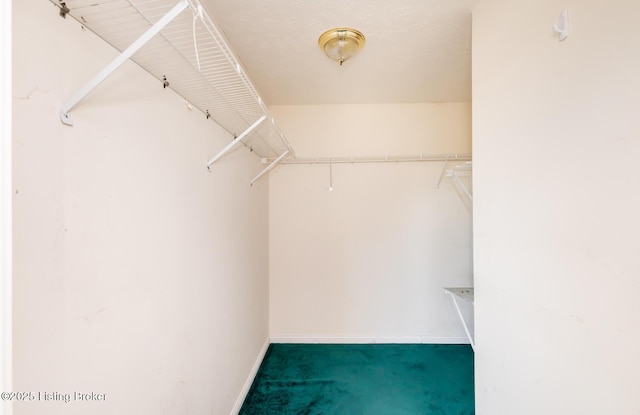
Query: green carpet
point(371, 379)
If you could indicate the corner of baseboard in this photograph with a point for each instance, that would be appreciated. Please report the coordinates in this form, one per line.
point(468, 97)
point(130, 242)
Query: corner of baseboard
point(251, 377)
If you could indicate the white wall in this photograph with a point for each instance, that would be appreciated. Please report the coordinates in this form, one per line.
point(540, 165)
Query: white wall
point(367, 261)
point(556, 142)
point(137, 273)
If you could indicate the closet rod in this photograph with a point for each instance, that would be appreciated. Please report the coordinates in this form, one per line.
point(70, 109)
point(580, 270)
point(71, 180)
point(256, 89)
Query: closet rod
point(378, 159)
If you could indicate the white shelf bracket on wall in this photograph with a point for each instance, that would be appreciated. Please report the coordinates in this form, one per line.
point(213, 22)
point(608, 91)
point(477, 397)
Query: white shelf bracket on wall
point(462, 185)
point(235, 141)
point(269, 167)
point(444, 169)
point(122, 58)
point(455, 172)
point(466, 294)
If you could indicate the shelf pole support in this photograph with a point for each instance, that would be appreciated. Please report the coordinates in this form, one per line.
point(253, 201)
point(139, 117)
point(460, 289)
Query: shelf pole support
point(444, 168)
point(455, 176)
point(464, 323)
point(235, 141)
point(270, 167)
point(123, 57)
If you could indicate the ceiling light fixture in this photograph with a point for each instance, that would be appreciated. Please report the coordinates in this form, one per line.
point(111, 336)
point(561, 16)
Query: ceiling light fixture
point(341, 43)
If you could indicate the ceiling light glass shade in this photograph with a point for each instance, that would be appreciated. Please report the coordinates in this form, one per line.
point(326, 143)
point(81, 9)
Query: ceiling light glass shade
point(341, 43)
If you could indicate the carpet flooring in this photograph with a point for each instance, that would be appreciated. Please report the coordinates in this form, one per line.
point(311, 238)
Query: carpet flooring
point(371, 379)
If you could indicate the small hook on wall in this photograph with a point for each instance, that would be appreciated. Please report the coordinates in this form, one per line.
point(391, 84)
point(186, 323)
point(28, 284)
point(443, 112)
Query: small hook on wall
point(562, 27)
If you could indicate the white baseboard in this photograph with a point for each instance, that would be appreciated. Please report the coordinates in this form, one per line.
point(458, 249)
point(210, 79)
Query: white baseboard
point(370, 339)
point(252, 376)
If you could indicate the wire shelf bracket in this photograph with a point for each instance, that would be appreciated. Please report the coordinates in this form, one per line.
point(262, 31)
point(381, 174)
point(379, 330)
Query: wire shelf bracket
point(122, 58)
point(444, 169)
point(466, 294)
point(235, 141)
point(269, 167)
point(175, 40)
point(456, 172)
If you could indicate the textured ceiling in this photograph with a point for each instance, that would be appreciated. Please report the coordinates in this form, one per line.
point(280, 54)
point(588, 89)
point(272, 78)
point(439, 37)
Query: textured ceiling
point(415, 51)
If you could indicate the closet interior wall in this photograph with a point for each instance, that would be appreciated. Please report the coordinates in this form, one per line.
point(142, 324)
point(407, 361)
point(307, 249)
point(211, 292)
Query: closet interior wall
point(137, 273)
point(556, 228)
point(366, 261)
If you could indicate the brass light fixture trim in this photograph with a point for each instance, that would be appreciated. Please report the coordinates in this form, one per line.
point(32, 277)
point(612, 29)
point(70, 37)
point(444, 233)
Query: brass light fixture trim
point(341, 43)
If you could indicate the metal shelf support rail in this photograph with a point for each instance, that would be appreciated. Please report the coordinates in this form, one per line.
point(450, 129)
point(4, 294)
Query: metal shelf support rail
point(235, 141)
point(192, 59)
point(466, 294)
point(269, 167)
point(455, 175)
point(456, 172)
point(122, 58)
point(444, 168)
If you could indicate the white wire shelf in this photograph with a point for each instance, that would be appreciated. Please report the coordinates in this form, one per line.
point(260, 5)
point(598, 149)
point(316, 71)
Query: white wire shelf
point(179, 44)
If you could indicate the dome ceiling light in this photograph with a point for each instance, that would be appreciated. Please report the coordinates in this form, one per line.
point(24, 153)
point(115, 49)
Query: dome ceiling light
point(341, 43)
